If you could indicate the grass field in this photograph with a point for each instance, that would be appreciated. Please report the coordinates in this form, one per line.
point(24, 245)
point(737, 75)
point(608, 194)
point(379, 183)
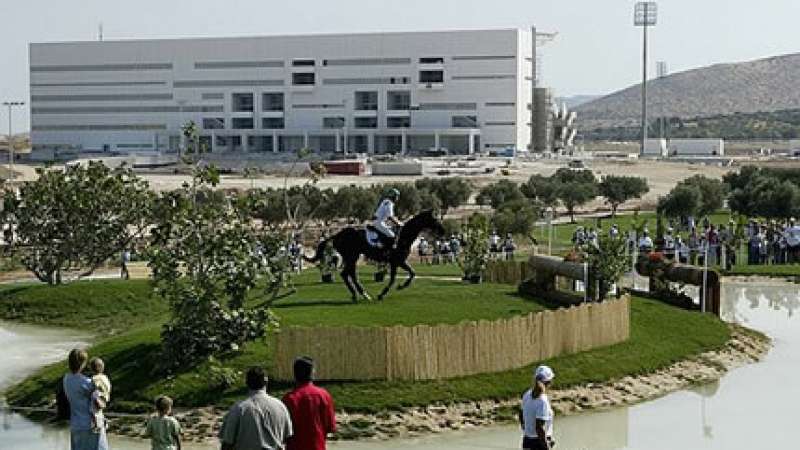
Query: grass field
point(780, 270)
point(129, 341)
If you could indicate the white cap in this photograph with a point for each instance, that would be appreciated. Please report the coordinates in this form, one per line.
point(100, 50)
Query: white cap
point(544, 373)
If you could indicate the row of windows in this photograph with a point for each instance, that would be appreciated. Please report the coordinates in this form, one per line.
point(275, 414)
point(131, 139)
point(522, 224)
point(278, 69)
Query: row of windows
point(363, 101)
point(260, 64)
point(99, 97)
point(101, 84)
point(115, 127)
point(248, 123)
point(278, 123)
point(125, 109)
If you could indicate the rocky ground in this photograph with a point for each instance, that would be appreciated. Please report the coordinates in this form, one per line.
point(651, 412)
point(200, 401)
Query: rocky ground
point(745, 347)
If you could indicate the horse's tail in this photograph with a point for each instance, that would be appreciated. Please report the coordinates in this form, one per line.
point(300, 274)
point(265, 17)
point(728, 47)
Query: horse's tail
point(320, 252)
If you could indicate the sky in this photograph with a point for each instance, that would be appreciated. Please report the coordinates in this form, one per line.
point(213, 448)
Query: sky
point(597, 50)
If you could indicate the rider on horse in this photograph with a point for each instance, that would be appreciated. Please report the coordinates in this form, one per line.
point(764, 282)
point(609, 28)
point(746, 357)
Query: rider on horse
point(384, 218)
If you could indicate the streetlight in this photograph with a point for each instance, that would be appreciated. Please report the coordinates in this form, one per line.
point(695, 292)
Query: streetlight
point(644, 16)
point(10, 138)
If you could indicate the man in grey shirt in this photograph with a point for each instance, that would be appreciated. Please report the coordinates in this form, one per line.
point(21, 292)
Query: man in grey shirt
point(79, 388)
point(259, 422)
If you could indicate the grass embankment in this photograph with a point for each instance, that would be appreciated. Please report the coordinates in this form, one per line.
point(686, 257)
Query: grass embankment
point(660, 335)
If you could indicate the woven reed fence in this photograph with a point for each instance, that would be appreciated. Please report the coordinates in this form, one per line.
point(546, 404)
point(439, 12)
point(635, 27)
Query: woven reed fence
point(426, 352)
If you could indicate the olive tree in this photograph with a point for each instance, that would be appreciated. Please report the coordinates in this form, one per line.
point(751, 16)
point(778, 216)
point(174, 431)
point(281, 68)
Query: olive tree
point(498, 194)
point(618, 189)
point(207, 258)
point(75, 218)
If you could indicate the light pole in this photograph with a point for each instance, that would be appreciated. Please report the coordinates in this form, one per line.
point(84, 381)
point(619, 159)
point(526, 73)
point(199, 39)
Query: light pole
point(11, 138)
point(644, 16)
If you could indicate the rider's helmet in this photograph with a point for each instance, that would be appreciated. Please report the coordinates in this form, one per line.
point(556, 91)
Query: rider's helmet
point(393, 194)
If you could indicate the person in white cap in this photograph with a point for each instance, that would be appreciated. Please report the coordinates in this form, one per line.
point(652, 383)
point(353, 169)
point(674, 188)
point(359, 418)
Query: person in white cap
point(536, 415)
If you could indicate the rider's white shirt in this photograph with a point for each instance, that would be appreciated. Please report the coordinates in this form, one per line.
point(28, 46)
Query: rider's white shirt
point(384, 212)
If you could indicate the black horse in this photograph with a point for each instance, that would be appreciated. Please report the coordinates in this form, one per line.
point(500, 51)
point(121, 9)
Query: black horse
point(351, 243)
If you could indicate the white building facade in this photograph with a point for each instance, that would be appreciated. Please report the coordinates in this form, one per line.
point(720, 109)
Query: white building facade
point(464, 91)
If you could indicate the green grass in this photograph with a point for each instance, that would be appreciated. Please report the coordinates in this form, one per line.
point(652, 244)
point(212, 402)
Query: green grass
point(661, 335)
point(780, 270)
point(102, 307)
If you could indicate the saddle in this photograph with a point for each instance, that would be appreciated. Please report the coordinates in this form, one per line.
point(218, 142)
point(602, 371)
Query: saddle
point(375, 238)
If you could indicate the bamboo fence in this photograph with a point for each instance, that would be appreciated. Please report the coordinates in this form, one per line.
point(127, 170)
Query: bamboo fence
point(430, 352)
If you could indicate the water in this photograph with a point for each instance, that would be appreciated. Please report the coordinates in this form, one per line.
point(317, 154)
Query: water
point(751, 407)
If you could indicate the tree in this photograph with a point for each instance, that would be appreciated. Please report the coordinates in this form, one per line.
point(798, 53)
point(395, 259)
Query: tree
point(451, 192)
point(712, 193)
point(619, 189)
point(608, 261)
point(518, 217)
point(574, 194)
point(475, 254)
point(683, 201)
point(542, 189)
point(498, 194)
point(76, 218)
point(207, 258)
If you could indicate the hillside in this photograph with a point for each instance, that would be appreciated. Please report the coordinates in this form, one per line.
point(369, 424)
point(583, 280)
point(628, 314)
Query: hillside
point(763, 85)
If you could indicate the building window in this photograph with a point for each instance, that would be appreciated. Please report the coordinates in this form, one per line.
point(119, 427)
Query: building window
point(213, 123)
point(398, 122)
point(366, 122)
point(333, 122)
point(366, 101)
point(242, 102)
point(273, 123)
point(398, 100)
point(431, 76)
point(464, 122)
point(303, 63)
point(272, 101)
point(242, 123)
point(303, 79)
point(432, 60)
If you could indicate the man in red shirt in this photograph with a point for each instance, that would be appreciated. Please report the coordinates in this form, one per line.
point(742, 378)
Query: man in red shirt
point(311, 409)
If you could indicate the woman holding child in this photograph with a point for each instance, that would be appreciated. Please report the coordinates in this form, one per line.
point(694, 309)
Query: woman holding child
point(86, 402)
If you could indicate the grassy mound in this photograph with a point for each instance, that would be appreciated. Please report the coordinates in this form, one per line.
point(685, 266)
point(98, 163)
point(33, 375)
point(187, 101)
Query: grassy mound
point(661, 335)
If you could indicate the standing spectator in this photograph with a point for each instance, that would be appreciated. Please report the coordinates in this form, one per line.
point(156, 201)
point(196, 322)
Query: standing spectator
point(509, 247)
point(591, 238)
point(682, 250)
point(260, 421)
point(613, 233)
point(164, 430)
point(669, 244)
point(645, 243)
point(125, 259)
point(296, 253)
point(694, 246)
point(455, 248)
point(578, 237)
point(311, 409)
point(79, 389)
point(444, 251)
point(422, 250)
point(436, 251)
point(494, 244)
point(712, 238)
point(536, 415)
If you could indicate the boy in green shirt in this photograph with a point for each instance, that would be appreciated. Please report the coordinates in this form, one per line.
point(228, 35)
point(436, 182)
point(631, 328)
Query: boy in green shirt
point(163, 430)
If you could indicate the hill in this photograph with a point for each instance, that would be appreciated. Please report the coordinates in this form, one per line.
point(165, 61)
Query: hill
point(763, 85)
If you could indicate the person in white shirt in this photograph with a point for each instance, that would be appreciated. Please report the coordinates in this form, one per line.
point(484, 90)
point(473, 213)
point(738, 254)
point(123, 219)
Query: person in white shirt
point(536, 414)
point(669, 244)
point(683, 250)
point(384, 218)
point(645, 243)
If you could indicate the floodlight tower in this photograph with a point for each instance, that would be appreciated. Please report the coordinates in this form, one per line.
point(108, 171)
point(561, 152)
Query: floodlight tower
point(644, 16)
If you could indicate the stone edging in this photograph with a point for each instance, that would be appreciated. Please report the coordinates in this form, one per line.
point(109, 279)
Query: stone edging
point(744, 347)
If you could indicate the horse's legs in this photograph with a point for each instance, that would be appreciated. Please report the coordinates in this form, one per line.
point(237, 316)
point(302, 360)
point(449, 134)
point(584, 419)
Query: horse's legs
point(359, 287)
point(392, 277)
point(411, 274)
point(347, 282)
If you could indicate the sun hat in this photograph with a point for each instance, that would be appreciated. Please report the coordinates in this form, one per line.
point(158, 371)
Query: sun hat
point(544, 373)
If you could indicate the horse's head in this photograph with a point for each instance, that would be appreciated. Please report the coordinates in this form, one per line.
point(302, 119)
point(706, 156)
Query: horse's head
point(430, 222)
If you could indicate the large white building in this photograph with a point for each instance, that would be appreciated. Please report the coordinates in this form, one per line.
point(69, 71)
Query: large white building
point(379, 92)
